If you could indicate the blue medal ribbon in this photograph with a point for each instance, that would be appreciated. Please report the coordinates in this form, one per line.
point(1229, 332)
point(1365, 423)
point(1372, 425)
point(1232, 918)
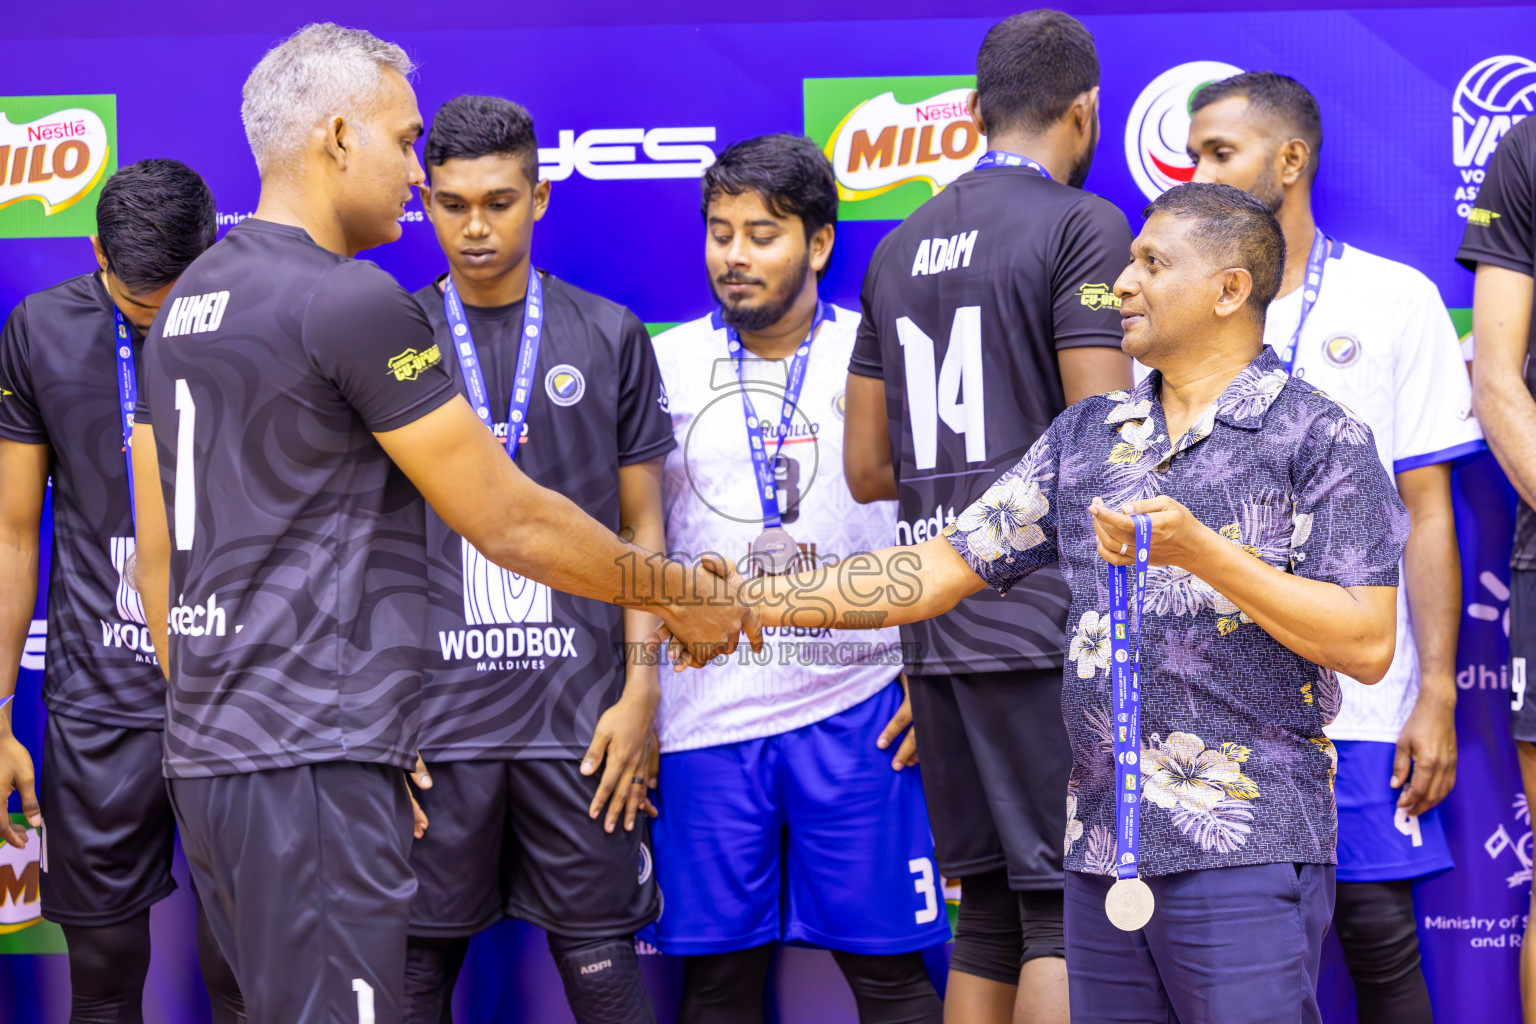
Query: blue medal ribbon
point(527, 358)
point(127, 394)
point(762, 462)
point(1125, 681)
point(1001, 158)
point(1317, 260)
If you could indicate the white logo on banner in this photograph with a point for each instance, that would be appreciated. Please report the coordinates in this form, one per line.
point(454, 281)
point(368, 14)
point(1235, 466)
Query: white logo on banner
point(883, 143)
point(37, 643)
point(56, 160)
point(495, 596)
point(1157, 132)
point(1501, 842)
point(609, 154)
point(20, 901)
point(1491, 98)
point(1487, 612)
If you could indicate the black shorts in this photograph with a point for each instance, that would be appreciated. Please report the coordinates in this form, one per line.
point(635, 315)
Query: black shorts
point(513, 839)
point(995, 766)
point(1522, 652)
point(305, 877)
point(108, 832)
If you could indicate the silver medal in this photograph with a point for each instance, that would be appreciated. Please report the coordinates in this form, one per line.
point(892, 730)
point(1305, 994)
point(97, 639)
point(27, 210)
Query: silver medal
point(1129, 904)
point(775, 551)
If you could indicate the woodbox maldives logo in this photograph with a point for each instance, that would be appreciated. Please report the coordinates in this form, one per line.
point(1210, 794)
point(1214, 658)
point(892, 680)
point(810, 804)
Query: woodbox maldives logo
point(55, 151)
point(893, 142)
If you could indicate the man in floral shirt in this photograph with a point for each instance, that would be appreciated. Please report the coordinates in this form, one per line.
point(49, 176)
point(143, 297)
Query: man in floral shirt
point(1276, 536)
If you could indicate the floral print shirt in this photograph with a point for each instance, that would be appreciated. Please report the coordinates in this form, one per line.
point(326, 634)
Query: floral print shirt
point(1235, 766)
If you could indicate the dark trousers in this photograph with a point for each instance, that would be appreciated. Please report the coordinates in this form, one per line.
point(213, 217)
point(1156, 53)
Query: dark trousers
point(1225, 946)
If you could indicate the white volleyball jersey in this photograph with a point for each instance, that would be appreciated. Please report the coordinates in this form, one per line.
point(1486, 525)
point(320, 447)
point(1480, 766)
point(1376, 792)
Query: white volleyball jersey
point(1379, 341)
point(802, 675)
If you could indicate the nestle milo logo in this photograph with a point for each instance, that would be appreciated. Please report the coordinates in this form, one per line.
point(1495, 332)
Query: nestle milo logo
point(22, 928)
point(55, 152)
point(893, 142)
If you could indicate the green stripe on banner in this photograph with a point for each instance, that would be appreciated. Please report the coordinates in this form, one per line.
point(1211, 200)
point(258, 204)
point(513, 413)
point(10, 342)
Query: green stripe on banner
point(661, 325)
point(22, 928)
point(1462, 318)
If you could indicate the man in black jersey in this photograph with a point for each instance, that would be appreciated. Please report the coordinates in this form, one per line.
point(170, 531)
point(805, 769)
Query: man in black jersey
point(110, 830)
point(1500, 245)
point(305, 410)
point(986, 313)
point(526, 691)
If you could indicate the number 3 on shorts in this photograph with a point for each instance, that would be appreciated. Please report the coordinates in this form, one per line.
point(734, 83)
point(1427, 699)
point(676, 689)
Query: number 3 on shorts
point(364, 1000)
point(922, 867)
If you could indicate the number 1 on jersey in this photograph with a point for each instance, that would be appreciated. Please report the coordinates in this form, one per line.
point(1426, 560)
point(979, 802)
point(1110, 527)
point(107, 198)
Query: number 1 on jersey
point(186, 485)
point(957, 396)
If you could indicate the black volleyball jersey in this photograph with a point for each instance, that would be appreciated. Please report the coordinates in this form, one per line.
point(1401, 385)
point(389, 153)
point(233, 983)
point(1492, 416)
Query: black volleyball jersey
point(298, 581)
point(966, 304)
point(59, 387)
point(515, 669)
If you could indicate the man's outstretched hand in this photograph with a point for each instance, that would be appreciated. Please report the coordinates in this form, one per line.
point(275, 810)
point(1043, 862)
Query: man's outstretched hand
point(16, 774)
point(697, 633)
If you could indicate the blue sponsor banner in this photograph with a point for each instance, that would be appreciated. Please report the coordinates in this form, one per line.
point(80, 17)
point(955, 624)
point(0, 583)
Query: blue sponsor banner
point(1413, 101)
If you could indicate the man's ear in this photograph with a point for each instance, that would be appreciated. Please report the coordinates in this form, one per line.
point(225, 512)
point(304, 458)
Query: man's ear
point(1236, 288)
point(974, 103)
point(1295, 161)
point(101, 254)
point(540, 199)
point(1084, 111)
point(820, 247)
point(339, 138)
point(424, 193)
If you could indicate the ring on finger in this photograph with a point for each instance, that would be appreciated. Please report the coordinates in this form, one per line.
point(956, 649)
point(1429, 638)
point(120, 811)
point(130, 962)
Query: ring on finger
point(638, 780)
point(1125, 547)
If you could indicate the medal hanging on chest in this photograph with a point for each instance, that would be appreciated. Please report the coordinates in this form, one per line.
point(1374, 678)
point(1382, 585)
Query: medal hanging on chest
point(1129, 903)
point(774, 551)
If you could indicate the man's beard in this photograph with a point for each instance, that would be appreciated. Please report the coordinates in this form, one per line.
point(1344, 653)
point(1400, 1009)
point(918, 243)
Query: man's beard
point(1269, 191)
point(772, 309)
point(1079, 173)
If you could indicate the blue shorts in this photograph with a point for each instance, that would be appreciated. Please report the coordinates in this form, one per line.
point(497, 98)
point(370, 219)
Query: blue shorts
point(807, 837)
point(1376, 843)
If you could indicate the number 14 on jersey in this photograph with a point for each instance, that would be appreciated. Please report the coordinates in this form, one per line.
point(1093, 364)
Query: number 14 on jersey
point(957, 395)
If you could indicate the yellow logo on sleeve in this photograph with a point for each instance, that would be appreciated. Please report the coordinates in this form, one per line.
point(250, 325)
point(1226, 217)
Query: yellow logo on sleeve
point(1481, 218)
point(1098, 296)
point(408, 365)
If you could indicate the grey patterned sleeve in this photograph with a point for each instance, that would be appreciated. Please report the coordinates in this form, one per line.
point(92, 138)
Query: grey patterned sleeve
point(1010, 531)
point(1349, 527)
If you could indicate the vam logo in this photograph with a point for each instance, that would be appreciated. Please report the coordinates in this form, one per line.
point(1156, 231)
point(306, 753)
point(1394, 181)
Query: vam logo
point(55, 151)
point(1157, 132)
point(893, 142)
point(22, 928)
point(608, 154)
point(1491, 98)
point(1501, 841)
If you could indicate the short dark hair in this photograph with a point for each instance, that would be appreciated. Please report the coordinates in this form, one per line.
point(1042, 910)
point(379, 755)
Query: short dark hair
point(1031, 67)
point(469, 127)
point(1277, 95)
point(1239, 230)
point(791, 173)
point(153, 219)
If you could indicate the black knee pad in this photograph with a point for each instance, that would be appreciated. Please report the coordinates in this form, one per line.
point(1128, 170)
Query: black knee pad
point(1041, 916)
point(891, 989)
point(431, 971)
point(1378, 930)
point(107, 968)
point(602, 980)
point(989, 942)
